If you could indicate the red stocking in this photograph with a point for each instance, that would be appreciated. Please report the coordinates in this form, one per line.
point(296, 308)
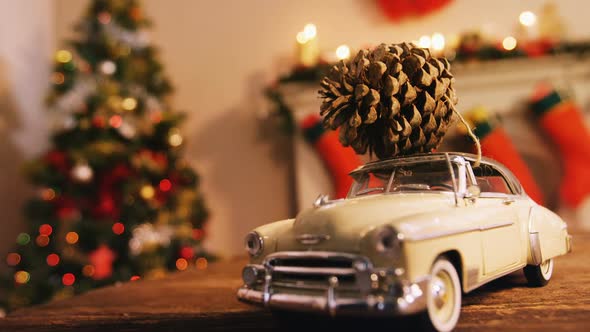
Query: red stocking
point(338, 159)
point(564, 124)
point(496, 144)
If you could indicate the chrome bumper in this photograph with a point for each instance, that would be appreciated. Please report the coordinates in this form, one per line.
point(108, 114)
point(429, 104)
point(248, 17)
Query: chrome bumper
point(410, 298)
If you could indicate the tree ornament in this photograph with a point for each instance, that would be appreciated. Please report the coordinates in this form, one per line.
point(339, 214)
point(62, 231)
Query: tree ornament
point(102, 260)
point(174, 137)
point(393, 100)
point(82, 172)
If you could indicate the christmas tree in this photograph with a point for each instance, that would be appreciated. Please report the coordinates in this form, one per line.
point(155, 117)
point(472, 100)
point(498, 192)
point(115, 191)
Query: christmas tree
point(114, 199)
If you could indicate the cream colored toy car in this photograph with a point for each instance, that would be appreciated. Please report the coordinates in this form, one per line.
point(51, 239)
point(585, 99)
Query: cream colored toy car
point(412, 235)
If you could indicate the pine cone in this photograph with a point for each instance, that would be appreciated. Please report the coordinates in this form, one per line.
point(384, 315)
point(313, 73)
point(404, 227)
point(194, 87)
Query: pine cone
point(393, 100)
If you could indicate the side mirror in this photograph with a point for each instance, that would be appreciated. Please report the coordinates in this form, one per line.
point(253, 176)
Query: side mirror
point(473, 191)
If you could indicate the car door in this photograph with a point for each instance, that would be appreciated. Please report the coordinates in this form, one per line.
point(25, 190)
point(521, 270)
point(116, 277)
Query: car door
point(498, 222)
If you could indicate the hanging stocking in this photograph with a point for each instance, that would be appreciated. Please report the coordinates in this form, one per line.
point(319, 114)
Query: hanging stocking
point(338, 159)
point(496, 144)
point(563, 122)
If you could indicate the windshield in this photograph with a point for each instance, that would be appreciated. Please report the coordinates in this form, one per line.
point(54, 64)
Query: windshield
point(412, 177)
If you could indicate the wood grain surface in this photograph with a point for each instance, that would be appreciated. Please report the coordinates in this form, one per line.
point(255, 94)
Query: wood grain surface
point(204, 300)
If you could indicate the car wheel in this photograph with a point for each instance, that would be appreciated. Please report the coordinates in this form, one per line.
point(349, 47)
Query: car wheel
point(443, 297)
point(539, 275)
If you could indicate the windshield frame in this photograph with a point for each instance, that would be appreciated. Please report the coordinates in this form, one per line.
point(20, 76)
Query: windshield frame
point(394, 165)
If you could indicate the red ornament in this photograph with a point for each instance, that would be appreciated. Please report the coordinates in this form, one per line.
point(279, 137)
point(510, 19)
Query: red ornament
point(67, 209)
point(102, 259)
point(58, 160)
point(187, 252)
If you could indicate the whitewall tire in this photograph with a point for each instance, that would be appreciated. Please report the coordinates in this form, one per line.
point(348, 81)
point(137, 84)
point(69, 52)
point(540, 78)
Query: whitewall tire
point(443, 297)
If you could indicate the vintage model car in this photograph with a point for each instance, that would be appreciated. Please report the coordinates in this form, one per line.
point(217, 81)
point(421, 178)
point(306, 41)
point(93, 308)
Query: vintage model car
point(412, 235)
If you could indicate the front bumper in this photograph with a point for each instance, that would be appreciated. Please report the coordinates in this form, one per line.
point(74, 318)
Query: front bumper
point(383, 296)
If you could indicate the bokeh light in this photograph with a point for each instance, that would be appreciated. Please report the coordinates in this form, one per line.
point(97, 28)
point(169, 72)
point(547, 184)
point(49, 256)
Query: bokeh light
point(72, 237)
point(88, 270)
point(202, 263)
point(342, 52)
point(509, 43)
point(147, 192)
point(23, 239)
point(135, 278)
point(527, 18)
point(63, 56)
point(118, 228)
point(129, 104)
point(52, 259)
point(68, 279)
point(13, 259)
point(47, 194)
point(42, 240)
point(22, 277)
point(181, 264)
point(165, 185)
point(116, 121)
point(174, 138)
point(45, 229)
point(437, 41)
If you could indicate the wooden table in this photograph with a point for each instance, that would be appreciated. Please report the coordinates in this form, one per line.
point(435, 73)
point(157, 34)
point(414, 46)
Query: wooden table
point(205, 300)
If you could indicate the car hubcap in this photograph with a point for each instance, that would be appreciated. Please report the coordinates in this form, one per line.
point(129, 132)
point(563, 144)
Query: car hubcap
point(441, 291)
point(547, 269)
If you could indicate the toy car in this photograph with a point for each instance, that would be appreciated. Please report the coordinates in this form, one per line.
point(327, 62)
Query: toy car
point(411, 236)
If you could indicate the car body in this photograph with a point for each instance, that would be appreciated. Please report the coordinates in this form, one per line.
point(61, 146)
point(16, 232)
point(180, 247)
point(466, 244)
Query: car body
point(413, 233)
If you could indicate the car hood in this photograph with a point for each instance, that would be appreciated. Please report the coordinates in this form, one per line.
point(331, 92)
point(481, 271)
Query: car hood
point(341, 225)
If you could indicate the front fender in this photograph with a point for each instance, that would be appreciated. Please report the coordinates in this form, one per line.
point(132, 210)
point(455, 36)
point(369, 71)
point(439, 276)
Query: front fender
point(548, 236)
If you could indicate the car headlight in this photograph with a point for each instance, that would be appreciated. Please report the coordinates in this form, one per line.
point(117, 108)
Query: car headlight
point(387, 240)
point(254, 243)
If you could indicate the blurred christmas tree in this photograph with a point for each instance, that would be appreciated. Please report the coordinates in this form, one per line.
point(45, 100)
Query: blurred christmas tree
point(115, 201)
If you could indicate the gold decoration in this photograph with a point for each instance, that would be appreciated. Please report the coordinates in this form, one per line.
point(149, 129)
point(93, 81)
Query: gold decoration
point(393, 100)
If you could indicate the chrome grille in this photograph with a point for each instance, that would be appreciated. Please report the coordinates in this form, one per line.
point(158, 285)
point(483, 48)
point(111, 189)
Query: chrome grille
point(312, 270)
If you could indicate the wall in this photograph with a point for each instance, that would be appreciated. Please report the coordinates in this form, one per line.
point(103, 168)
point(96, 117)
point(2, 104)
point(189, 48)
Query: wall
point(220, 53)
point(26, 44)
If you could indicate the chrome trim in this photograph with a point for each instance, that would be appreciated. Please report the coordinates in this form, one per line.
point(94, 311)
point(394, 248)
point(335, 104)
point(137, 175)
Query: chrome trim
point(453, 178)
point(568, 243)
point(535, 248)
point(312, 254)
point(412, 300)
point(459, 231)
point(496, 225)
point(484, 281)
point(312, 238)
point(332, 271)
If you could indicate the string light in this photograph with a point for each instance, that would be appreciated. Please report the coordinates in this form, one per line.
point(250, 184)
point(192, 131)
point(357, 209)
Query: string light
point(52, 259)
point(108, 67)
point(104, 17)
point(82, 172)
point(181, 264)
point(437, 41)
point(165, 185)
point(88, 270)
point(424, 42)
point(187, 252)
point(135, 278)
point(509, 43)
point(22, 277)
point(147, 192)
point(47, 194)
point(129, 103)
point(116, 121)
point(13, 259)
point(342, 52)
point(45, 229)
point(68, 279)
point(174, 138)
point(63, 56)
point(23, 239)
point(72, 237)
point(42, 240)
point(118, 228)
point(527, 18)
point(309, 32)
point(202, 263)
point(58, 78)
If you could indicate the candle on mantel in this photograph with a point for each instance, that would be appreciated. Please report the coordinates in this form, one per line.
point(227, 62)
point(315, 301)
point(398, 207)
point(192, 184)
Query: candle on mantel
point(308, 50)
